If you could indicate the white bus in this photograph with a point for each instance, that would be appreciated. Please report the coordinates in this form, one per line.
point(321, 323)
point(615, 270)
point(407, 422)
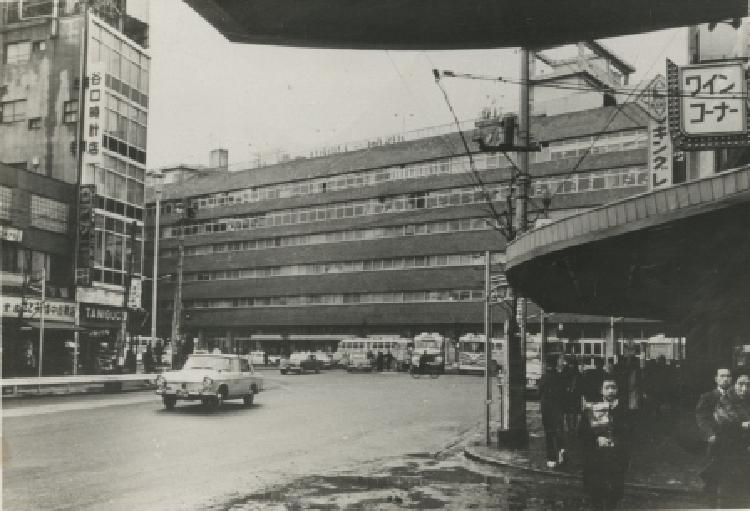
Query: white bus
point(472, 354)
point(434, 345)
point(398, 346)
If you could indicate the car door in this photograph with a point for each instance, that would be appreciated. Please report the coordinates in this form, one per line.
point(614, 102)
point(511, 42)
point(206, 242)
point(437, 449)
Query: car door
point(234, 378)
point(245, 376)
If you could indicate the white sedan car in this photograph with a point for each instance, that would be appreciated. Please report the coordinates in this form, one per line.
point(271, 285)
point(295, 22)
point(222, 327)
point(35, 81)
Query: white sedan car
point(210, 378)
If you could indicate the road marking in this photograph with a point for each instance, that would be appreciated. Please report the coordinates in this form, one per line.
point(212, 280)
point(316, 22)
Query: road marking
point(86, 404)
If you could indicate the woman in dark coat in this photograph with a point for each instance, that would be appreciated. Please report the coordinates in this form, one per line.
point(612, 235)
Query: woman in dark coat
point(605, 430)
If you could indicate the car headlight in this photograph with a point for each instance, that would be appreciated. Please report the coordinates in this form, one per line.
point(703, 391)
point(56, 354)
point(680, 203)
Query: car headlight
point(207, 382)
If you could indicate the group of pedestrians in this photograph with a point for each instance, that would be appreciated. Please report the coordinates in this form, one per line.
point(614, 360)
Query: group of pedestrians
point(381, 362)
point(723, 417)
point(588, 408)
point(594, 410)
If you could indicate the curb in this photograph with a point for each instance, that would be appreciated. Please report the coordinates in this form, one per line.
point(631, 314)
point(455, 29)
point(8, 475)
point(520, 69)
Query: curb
point(474, 456)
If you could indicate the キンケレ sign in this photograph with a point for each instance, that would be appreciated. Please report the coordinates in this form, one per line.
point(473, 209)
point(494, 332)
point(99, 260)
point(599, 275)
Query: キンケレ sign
point(712, 99)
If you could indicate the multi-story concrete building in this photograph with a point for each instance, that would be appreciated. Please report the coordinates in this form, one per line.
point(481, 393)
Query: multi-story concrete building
point(388, 239)
point(73, 116)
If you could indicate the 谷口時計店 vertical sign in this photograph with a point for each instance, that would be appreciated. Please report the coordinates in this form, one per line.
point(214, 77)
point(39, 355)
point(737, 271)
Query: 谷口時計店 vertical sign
point(708, 105)
point(93, 114)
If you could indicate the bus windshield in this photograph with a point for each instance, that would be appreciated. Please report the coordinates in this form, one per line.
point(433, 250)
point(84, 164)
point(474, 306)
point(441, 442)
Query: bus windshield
point(430, 344)
point(472, 347)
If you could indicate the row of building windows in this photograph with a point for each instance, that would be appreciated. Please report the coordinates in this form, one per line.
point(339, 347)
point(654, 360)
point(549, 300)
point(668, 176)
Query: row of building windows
point(15, 111)
point(598, 144)
point(116, 179)
point(385, 264)
point(49, 214)
point(443, 295)
point(617, 141)
point(623, 177)
point(610, 178)
point(408, 230)
point(12, 111)
point(6, 202)
point(125, 121)
point(368, 207)
point(127, 68)
point(20, 52)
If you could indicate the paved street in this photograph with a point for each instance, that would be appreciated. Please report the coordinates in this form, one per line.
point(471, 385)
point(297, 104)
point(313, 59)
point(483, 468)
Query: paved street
point(332, 440)
point(126, 452)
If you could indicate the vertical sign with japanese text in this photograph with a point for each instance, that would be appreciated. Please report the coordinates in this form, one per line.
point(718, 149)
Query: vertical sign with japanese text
point(93, 112)
point(86, 237)
point(654, 101)
point(659, 154)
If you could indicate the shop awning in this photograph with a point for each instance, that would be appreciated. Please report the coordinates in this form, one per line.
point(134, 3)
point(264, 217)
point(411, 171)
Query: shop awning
point(55, 325)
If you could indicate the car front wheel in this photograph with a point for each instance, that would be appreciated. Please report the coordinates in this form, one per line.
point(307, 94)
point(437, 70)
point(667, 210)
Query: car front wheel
point(248, 399)
point(169, 402)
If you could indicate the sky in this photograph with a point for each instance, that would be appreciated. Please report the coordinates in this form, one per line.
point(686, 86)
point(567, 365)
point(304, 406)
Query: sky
point(207, 93)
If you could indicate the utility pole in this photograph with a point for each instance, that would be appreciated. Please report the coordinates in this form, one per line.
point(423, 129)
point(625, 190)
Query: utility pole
point(187, 213)
point(516, 434)
point(41, 318)
point(155, 274)
point(487, 343)
point(177, 314)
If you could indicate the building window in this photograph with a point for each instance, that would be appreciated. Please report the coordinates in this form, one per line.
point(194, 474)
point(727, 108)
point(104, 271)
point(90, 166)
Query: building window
point(6, 202)
point(49, 214)
point(35, 123)
point(70, 111)
point(17, 53)
point(38, 46)
point(12, 111)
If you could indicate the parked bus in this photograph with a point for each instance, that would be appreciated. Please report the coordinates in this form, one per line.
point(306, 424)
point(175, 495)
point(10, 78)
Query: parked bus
point(587, 349)
point(431, 344)
point(398, 346)
point(472, 354)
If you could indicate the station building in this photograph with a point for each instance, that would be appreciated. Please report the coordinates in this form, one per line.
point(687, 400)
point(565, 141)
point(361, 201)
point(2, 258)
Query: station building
point(73, 117)
point(387, 237)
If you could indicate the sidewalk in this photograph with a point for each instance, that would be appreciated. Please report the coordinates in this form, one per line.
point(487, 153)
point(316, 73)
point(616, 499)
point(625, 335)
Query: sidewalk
point(666, 456)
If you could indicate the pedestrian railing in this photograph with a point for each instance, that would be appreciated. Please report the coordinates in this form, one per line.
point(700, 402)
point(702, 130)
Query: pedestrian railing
point(75, 383)
point(631, 213)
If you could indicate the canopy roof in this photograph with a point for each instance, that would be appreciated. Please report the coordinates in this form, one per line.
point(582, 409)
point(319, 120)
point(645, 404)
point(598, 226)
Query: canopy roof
point(450, 24)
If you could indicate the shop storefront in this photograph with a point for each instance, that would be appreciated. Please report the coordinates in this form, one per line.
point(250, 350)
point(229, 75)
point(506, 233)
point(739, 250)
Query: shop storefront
point(23, 336)
point(101, 338)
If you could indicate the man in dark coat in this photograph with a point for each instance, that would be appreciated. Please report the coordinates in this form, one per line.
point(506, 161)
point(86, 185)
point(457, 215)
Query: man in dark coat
point(591, 381)
point(551, 400)
point(705, 417)
point(605, 430)
point(731, 447)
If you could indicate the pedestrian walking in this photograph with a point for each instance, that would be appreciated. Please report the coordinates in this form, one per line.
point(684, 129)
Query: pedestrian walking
point(605, 431)
point(591, 381)
point(732, 417)
point(708, 413)
point(265, 358)
point(551, 397)
point(379, 361)
point(572, 397)
point(388, 360)
point(131, 362)
point(148, 359)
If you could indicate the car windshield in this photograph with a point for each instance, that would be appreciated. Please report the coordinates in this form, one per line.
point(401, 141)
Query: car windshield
point(202, 362)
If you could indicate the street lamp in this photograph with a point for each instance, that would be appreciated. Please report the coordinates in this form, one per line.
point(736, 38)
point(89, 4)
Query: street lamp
point(157, 185)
